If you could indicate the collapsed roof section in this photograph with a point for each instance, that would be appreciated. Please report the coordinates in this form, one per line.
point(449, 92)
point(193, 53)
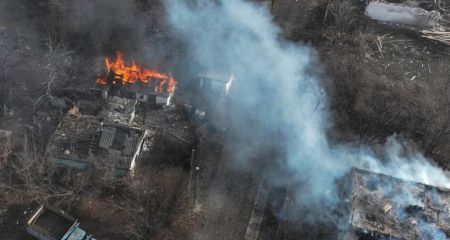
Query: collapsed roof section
point(118, 110)
point(82, 141)
point(384, 206)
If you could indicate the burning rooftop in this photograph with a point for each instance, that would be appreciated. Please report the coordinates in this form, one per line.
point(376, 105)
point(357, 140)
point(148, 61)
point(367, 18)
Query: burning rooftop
point(120, 73)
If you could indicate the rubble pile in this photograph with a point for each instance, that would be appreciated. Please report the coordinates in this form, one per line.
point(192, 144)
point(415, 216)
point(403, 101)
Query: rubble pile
point(385, 206)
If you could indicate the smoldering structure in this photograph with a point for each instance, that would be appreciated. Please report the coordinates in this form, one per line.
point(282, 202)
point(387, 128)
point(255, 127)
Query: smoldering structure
point(382, 206)
point(370, 206)
point(123, 121)
point(278, 95)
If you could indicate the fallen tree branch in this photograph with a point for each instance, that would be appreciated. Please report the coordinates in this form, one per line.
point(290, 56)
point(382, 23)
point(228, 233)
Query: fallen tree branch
point(440, 36)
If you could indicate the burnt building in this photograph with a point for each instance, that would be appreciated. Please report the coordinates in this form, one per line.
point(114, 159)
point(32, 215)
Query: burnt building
point(370, 206)
point(148, 92)
point(83, 142)
point(382, 206)
point(118, 110)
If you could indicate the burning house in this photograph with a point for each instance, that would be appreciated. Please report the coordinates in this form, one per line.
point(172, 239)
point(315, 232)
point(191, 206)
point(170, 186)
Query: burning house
point(143, 97)
point(108, 128)
point(82, 142)
point(382, 206)
point(136, 82)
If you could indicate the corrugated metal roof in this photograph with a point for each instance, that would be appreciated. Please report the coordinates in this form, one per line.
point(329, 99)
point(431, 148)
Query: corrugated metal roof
point(114, 155)
point(130, 144)
point(107, 138)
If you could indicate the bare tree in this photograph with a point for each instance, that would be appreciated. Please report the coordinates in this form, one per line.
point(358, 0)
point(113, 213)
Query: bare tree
point(5, 146)
point(57, 60)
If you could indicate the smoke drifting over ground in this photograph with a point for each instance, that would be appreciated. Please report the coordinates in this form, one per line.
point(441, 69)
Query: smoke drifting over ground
point(276, 100)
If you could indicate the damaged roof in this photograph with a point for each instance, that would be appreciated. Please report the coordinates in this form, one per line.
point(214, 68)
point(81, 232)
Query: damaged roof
point(119, 110)
point(385, 206)
point(147, 88)
point(84, 139)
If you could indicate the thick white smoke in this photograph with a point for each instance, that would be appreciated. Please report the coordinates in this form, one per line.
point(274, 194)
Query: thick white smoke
point(275, 94)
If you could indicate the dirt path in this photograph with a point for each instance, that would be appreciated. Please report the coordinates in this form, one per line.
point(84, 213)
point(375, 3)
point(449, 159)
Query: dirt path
point(225, 201)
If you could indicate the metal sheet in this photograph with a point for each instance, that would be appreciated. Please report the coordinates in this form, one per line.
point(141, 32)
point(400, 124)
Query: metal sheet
point(130, 146)
point(107, 138)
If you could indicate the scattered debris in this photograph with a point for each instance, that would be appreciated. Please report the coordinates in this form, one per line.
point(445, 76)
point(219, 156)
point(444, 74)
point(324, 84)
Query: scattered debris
point(119, 110)
point(440, 36)
point(385, 206)
point(379, 41)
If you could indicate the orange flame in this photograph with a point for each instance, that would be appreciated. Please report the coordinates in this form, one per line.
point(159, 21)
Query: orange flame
point(136, 73)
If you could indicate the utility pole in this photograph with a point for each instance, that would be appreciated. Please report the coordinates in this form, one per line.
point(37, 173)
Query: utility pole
point(197, 171)
point(191, 167)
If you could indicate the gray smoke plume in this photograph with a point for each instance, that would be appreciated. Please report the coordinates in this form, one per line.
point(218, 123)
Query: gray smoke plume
point(278, 101)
